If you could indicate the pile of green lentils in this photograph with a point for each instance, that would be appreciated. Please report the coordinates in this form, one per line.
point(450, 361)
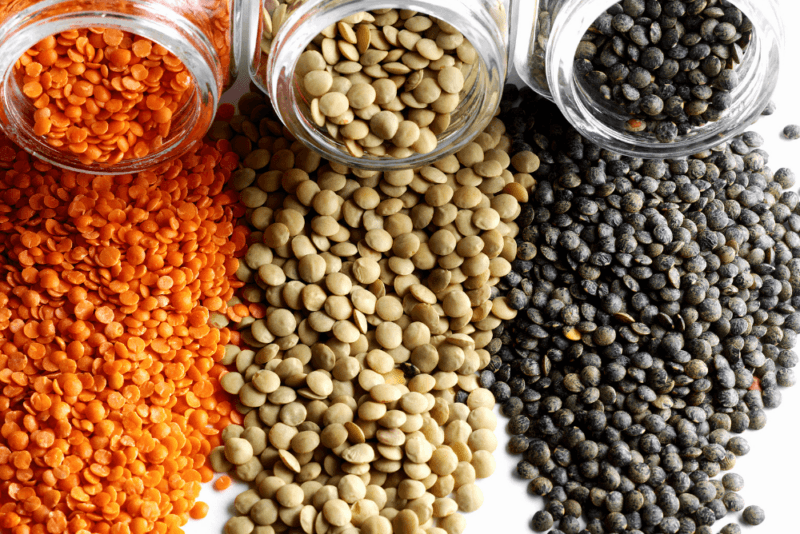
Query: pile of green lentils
point(359, 385)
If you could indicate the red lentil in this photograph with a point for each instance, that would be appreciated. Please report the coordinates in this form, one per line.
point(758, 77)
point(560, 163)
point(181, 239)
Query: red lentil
point(109, 379)
point(222, 483)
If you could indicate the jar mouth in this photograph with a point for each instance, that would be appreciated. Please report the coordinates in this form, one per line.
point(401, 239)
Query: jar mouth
point(605, 123)
point(472, 115)
point(28, 28)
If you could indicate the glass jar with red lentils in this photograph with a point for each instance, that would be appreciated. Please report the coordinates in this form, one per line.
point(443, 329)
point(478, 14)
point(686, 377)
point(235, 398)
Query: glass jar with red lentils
point(113, 86)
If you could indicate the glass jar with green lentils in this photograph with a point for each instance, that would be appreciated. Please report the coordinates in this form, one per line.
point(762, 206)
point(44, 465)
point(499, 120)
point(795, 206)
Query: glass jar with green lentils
point(376, 86)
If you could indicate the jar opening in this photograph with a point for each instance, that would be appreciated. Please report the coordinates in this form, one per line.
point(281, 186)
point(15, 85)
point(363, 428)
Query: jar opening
point(468, 118)
point(457, 119)
point(654, 116)
point(615, 116)
point(185, 115)
point(648, 113)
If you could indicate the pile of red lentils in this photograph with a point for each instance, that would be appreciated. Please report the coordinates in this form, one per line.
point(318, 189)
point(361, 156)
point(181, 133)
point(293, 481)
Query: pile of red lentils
point(109, 376)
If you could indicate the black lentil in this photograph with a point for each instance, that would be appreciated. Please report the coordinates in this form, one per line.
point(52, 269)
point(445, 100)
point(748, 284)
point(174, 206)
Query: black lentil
point(792, 132)
point(569, 525)
point(753, 515)
point(656, 322)
point(733, 502)
point(542, 521)
point(671, 72)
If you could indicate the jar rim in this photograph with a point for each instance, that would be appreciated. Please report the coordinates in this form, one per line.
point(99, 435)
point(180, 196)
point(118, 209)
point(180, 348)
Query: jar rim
point(306, 21)
point(23, 30)
point(761, 65)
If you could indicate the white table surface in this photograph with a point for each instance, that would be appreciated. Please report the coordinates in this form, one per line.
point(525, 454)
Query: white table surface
point(772, 468)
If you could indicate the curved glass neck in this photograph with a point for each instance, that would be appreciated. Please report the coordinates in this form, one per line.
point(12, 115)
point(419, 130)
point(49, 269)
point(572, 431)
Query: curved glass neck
point(483, 24)
point(20, 30)
point(549, 34)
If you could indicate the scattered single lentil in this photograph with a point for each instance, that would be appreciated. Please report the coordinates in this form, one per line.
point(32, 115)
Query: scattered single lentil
point(753, 515)
point(222, 483)
point(791, 132)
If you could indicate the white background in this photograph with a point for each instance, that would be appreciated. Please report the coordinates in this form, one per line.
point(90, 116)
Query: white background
point(771, 470)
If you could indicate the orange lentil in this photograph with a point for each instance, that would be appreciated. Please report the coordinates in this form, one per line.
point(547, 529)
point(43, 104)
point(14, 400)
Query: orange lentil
point(199, 510)
point(206, 473)
point(222, 483)
point(756, 385)
point(89, 76)
point(111, 399)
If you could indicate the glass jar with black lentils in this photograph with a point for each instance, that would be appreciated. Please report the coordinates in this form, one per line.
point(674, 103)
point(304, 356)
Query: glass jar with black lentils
point(652, 78)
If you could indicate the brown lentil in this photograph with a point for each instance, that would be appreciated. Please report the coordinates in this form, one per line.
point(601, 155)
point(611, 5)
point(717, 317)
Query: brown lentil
point(387, 87)
point(366, 356)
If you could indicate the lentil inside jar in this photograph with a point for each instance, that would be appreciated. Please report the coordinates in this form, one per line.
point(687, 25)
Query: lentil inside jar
point(670, 67)
point(66, 64)
point(104, 95)
point(384, 83)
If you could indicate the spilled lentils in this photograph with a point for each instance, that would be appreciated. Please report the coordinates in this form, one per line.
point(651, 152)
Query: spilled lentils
point(657, 312)
point(384, 82)
point(110, 395)
point(359, 389)
point(670, 64)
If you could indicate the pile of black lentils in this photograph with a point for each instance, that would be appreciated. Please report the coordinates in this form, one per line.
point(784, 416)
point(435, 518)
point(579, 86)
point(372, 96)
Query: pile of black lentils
point(669, 64)
point(657, 312)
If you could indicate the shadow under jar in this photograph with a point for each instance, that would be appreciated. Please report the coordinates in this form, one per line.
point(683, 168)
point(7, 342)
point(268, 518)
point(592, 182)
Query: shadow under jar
point(195, 36)
point(584, 54)
point(285, 31)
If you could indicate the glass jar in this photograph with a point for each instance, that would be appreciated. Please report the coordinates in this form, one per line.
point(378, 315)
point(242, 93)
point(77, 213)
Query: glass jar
point(285, 29)
point(548, 35)
point(198, 32)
